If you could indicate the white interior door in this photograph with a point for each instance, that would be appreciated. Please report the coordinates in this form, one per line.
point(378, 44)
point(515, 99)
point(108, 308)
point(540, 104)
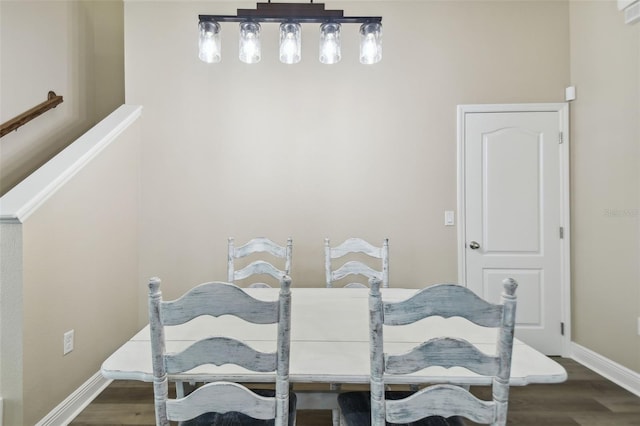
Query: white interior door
point(513, 222)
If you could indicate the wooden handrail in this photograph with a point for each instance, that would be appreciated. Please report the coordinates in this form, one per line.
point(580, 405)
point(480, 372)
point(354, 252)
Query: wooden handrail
point(52, 101)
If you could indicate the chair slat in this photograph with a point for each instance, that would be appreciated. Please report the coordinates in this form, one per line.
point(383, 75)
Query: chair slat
point(223, 299)
point(219, 351)
point(221, 397)
point(444, 352)
point(258, 267)
point(356, 245)
point(261, 244)
point(445, 300)
point(440, 400)
point(354, 267)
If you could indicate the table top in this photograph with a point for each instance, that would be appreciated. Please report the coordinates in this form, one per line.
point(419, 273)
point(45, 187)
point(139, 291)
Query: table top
point(329, 343)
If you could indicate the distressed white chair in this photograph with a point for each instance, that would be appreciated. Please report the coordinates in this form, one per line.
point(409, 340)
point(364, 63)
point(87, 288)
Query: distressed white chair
point(221, 402)
point(356, 267)
point(258, 245)
point(440, 404)
point(354, 246)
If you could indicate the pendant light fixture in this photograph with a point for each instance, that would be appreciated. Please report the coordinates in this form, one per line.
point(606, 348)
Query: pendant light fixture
point(290, 42)
point(249, 48)
point(330, 43)
point(290, 16)
point(209, 42)
point(370, 43)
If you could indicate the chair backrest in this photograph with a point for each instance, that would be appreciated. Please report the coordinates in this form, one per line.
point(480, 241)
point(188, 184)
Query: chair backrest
point(258, 245)
point(356, 267)
point(443, 300)
point(215, 299)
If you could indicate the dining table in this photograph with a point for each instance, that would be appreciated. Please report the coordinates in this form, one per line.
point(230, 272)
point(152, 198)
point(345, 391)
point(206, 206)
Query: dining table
point(329, 344)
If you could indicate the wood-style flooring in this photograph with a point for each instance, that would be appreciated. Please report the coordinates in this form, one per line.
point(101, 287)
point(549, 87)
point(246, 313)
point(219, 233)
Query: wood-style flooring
point(585, 399)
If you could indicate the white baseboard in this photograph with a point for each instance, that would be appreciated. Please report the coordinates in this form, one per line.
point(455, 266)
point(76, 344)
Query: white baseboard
point(618, 374)
point(68, 409)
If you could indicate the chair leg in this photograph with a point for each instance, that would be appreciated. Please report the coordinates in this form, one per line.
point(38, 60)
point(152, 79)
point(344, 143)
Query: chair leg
point(336, 415)
point(179, 389)
point(341, 420)
point(184, 388)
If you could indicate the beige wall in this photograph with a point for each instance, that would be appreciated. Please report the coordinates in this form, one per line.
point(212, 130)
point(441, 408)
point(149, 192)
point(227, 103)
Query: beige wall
point(78, 258)
point(82, 276)
point(605, 68)
point(313, 151)
point(74, 48)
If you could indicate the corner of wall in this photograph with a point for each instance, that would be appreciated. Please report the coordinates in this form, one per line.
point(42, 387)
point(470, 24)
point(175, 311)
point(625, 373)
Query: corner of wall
point(11, 323)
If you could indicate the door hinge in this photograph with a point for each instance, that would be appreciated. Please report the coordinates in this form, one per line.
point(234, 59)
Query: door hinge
point(561, 137)
point(561, 232)
point(562, 328)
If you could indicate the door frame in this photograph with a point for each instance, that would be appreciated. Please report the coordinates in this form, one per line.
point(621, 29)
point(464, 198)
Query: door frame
point(565, 243)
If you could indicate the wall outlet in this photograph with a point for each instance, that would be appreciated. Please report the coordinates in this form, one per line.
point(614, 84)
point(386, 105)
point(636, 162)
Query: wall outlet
point(68, 342)
point(638, 326)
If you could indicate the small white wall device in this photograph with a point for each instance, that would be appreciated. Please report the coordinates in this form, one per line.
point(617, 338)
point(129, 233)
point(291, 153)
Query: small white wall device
point(631, 10)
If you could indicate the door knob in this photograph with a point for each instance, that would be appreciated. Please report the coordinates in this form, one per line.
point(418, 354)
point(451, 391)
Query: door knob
point(473, 245)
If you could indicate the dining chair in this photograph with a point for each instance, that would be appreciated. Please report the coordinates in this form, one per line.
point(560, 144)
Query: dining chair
point(349, 248)
point(439, 404)
point(257, 267)
point(222, 402)
point(353, 246)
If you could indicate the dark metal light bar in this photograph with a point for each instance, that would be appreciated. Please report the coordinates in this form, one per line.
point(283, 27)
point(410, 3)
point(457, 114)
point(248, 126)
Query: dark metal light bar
point(297, 12)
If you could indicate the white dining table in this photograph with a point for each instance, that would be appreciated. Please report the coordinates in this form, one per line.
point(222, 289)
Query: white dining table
point(329, 344)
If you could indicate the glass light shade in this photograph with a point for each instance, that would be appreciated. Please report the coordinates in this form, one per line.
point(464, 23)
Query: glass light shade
point(250, 42)
point(290, 42)
point(371, 43)
point(209, 42)
point(330, 43)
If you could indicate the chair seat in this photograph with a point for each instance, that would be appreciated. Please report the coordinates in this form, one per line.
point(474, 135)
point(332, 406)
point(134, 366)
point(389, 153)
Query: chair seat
point(356, 410)
point(239, 419)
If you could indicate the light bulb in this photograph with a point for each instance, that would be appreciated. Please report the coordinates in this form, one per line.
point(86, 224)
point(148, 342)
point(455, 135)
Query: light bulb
point(371, 43)
point(290, 42)
point(209, 42)
point(250, 42)
point(330, 43)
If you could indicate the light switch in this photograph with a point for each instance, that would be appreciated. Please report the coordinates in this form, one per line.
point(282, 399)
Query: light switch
point(449, 219)
point(570, 93)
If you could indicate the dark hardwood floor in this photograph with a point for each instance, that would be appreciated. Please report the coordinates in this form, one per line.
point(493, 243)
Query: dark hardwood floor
point(585, 399)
